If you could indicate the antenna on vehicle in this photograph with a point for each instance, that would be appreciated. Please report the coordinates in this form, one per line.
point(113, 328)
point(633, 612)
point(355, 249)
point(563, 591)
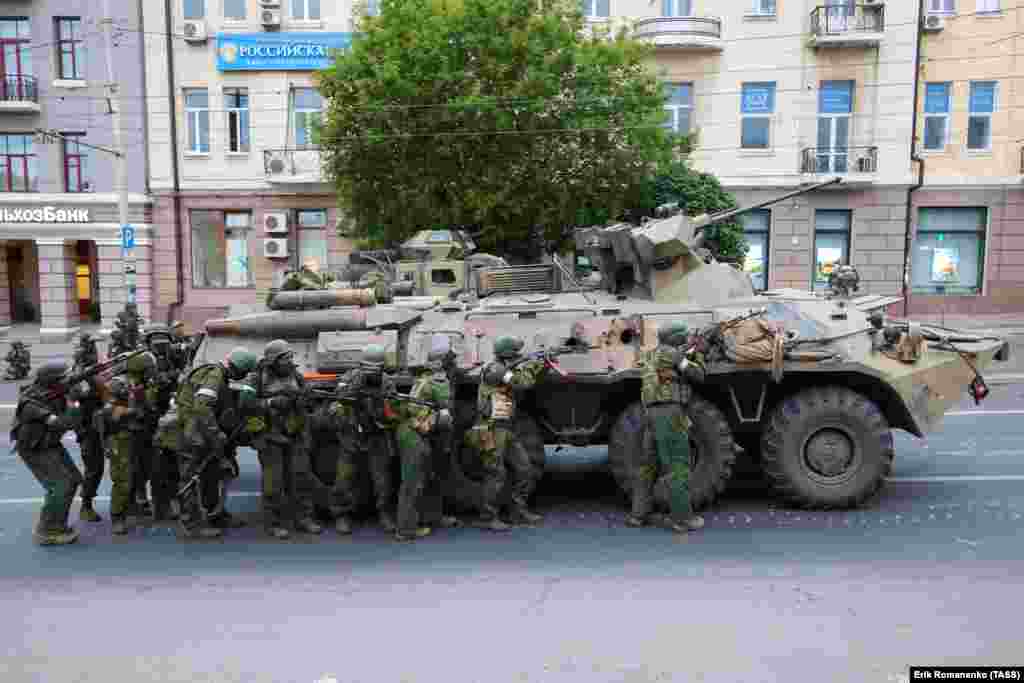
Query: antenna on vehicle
point(569, 276)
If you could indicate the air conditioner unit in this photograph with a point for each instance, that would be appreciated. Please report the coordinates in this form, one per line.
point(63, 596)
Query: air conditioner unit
point(934, 23)
point(277, 163)
point(195, 31)
point(865, 165)
point(275, 222)
point(270, 17)
point(276, 247)
point(270, 3)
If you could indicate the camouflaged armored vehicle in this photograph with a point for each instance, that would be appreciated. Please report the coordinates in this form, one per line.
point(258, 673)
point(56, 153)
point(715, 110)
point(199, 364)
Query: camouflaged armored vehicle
point(805, 387)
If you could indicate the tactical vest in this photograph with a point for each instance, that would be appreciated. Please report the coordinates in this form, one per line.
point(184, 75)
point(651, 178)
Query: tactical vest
point(495, 401)
point(29, 428)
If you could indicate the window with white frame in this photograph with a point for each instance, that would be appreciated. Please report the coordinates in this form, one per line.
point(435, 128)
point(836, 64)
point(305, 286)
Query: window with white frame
point(197, 119)
point(680, 107)
point(831, 243)
point(234, 10)
point(979, 123)
point(596, 9)
point(236, 104)
point(194, 9)
point(936, 115)
point(757, 229)
point(763, 8)
point(307, 107)
point(220, 249)
point(307, 10)
point(941, 6)
point(949, 251)
point(373, 8)
point(988, 7)
point(312, 235)
point(757, 107)
point(677, 8)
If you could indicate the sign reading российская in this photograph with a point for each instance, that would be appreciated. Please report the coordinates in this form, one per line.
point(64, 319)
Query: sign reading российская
point(307, 51)
point(45, 214)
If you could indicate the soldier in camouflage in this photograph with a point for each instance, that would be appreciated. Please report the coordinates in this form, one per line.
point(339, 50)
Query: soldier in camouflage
point(162, 469)
point(434, 385)
point(308, 277)
point(282, 442)
point(203, 404)
point(665, 454)
point(499, 444)
point(19, 361)
point(127, 418)
point(350, 456)
point(41, 418)
point(90, 443)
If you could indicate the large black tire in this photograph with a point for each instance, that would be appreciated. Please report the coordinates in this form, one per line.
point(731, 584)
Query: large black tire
point(827, 447)
point(711, 448)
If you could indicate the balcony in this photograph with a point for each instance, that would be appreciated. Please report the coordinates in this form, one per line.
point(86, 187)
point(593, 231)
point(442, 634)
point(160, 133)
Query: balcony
point(856, 165)
point(848, 25)
point(19, 94)
point(681, 33)
point(293, 165)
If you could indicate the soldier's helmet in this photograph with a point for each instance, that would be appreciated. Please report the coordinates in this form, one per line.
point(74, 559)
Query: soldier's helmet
point(142, 364)
point(241, 361)
point(374, 355)
point(673, 333)
point(277, 349)
point(506, 347)
point(50, 373)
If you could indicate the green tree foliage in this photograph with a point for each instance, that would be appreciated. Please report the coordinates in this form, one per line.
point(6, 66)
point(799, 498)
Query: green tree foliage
point(497, 116)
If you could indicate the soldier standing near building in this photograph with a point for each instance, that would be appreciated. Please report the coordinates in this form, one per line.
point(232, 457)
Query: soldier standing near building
point(19, 361)
point(282, 445)
point(665, 453)
point(90, 443)
point(201, 402)
point(434, 385)
point(42, 416)
point(501, 451)
point(162, 470)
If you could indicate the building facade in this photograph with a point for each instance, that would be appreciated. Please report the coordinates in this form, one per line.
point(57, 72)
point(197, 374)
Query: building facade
point(60, 237)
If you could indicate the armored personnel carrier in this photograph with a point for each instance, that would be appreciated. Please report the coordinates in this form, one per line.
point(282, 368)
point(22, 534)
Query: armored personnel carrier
point(805, 387)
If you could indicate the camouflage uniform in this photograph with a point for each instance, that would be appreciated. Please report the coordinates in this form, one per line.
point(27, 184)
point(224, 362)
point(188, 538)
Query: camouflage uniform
point(499, 444)
point(42, 416)
point(90, 443)
point(282, 442)
point(161, 469)
point(308, 279)
point(435, 386)
point(19, 361)
point(126, 423)
point(666, 447)
point(202, 402)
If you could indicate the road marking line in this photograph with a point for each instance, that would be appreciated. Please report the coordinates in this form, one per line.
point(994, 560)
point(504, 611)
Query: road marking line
point(106, 499)
point(965, 477)
point(961, 413)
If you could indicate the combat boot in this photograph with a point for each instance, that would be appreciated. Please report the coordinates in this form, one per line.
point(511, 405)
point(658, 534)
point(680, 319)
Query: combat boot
point(449, 522)
point(53, 537)
point(520, 515)
point(421, 532)
point(226, 520)
point(343, 526)
point(200, 532)
point(308, 526)
point(491, 524)
point(88, 513)
point(118, 526)
point(387, 522)
point(278, 532)
point(634, 521)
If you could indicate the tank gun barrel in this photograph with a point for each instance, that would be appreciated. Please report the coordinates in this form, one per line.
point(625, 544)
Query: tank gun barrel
point(702, 222)
point(297, 300)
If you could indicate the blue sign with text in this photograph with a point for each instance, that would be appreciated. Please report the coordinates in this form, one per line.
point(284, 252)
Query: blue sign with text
point(758, 98)
point(127, 237)
point(835, 97)
point(278, 51)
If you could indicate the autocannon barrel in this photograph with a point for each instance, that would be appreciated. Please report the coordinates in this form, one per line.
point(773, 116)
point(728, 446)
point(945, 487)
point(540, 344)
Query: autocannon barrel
point(297, 300)
point(298, 324)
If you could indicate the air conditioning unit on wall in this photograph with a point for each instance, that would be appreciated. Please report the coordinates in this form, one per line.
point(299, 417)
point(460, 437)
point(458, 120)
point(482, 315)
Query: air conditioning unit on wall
point(276, 222)
point(934, 23)
point(195, 31)
point(275, 248)
point(270, 17)
point(270, 3)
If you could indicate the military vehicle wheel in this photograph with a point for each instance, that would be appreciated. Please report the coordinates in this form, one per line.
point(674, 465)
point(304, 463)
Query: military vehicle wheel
point(711, 449)
point(827, 447)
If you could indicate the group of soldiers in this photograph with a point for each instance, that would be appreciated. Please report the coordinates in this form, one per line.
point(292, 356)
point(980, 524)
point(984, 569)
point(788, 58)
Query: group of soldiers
point(173, 430)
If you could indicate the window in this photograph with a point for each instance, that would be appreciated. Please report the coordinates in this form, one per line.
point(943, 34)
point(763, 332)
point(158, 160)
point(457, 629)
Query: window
point(234, 9)
point(195, 9)
point(756, 228)
point(197, 116)
point(308, 10)
point(988, 6)
point(70, 49)
point(16, 60)
point(835, 106)
point(440, 236)
point(220, 249)
point(236, 103)
point(763, 8)
point(442, 276)
point(596, 9)
point(312, 229)
point(941, 6)
point(76, 157)
point(757, 107)
point(831, 243)
point(680, 107)
point(979, 124)
point(373, 8)
point(307, 107)
point(949, 251)
point(18, 164)
point(677, 8)
point(936, 115)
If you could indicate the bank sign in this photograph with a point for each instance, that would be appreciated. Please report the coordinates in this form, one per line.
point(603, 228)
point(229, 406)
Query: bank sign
point(46, 214)
point(278, 51)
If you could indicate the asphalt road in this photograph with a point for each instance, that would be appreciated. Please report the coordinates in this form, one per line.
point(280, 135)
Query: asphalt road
point(931, 573)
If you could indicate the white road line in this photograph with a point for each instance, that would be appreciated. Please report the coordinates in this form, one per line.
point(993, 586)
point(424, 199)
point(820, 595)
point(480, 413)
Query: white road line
point(25, 501)
point(961, 413)
point(966, 477)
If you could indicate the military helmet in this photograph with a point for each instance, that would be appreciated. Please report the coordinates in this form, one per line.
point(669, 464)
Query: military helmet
point(141, 364)
point(277, 348)
point(507, 346)
point(375, 354)
point(673, 333)
point(51, 373)
point(242, 360)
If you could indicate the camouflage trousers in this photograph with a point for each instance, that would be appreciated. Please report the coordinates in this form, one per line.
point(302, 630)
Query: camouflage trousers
point(665, 455)
point(432, 502)
point(288, 484)
point(165, 478)
point(208, 496)
point(143, 464)
point(123, 455)
point(414, 455)
point(56, 471)
point(93, 461)
point(380, 459)
point(509, 460)
point(350, 463)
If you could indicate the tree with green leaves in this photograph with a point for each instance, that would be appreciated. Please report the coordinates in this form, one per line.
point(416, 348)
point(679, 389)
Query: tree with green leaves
point(508, 118)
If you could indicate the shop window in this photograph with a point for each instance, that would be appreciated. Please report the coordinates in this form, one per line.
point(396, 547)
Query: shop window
point(312, 230)
point(949, 251)
point(757, 228)
point(220, 249)
point(443, 276)
point(831, 243)
point(757, 107)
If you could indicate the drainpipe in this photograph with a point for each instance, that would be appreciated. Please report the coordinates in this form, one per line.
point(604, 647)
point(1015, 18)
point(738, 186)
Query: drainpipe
point(907, 235)
point(176, 196)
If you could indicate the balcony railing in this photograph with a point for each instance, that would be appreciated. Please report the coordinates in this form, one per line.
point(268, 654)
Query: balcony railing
point(841, 24)
point(839, 160)
point(293, 165)
point(19, 89)
point(681, 32)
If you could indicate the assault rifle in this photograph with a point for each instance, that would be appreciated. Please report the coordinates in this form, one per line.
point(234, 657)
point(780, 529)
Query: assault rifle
point(213, 454)
point(71, 379)
point(549, 356)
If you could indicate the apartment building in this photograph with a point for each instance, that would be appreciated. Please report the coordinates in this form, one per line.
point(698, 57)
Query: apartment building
point(60, 248)
point(236, 175)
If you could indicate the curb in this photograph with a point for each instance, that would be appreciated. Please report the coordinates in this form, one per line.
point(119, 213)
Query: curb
point(1005, 378)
